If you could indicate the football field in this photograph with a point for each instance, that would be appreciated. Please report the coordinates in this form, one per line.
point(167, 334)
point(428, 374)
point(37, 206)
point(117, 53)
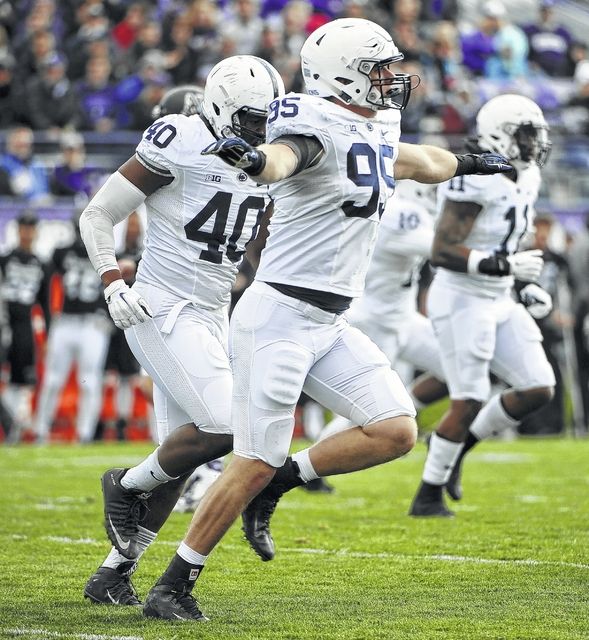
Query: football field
point(513, 564)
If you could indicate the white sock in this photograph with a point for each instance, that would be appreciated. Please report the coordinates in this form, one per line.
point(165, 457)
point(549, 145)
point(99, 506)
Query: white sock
point(147, 475)
point(190, 555)
point(313, 419)
point(144, 538)
point(335, 426)
point(492, 420)
point(306, 471)
point(440, 460)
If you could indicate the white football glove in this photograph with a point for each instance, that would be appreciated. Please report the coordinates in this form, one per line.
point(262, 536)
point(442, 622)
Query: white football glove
point(126, 307)
point(537, 301)
point(526, 265)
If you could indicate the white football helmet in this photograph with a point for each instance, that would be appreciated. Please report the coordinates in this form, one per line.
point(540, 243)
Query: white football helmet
point(514, 126)
point(237, 93)
point(349, 59)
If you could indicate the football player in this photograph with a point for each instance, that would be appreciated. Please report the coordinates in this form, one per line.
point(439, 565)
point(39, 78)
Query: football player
point(25, 282)
point(201, 214)
point(330, 163)
point(479, 326)
point(79, 333)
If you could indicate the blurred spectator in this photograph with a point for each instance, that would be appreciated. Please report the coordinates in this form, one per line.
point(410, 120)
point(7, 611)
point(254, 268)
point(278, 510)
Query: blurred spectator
point(98, 97)
point(434, 10)
point(204, 17)
point(244, 25)
point(33, 51)
point(73, 176)
point(24, 283)
point(406, 29)
point(125, 33)
point(90, 38)
point(149, 39)
point(11, 97)
point(549, 42)
point(422, 117)
point(20, 174)
point(550, 418)
point(154, 88)
point(509, 41)
point(579, 265)
point(181, 62)
point(446, 56)
point(53, 103)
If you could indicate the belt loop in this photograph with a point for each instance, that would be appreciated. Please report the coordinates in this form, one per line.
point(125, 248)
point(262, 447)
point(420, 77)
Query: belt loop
point(172, 316)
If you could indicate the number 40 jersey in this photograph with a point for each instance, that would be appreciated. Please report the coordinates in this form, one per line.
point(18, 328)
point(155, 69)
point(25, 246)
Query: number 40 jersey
point(199, 224)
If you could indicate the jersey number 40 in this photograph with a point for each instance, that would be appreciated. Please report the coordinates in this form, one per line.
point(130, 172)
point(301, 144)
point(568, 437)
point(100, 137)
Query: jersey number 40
point(219, 206)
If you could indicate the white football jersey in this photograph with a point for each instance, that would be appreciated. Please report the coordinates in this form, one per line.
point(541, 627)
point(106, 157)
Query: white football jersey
point(404, 241)
point(199, 224)
point(507, 214)
point(325, 219)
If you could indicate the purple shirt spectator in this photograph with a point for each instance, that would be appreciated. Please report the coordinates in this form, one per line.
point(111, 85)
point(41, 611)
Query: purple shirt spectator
point(549, 43)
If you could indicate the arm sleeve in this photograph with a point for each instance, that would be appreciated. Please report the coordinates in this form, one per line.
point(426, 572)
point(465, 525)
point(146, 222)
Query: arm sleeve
point(308, 150)
point(117, 198)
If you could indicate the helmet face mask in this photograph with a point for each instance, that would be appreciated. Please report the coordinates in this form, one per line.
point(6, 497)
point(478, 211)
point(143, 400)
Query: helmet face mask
point(350, 59)
point(533, 143)
point(237, 95)
point(250, 124)
point(514, 126)
point(388, 90)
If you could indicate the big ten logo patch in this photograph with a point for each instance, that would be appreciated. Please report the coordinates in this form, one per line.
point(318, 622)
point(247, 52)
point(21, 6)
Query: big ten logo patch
point(211, 177)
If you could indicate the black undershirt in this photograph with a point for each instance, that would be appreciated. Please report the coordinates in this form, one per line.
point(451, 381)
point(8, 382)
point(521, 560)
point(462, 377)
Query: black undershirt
point(330, 302)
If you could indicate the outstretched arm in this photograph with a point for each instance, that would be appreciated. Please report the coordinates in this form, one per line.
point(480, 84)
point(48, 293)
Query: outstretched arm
point(429, 164)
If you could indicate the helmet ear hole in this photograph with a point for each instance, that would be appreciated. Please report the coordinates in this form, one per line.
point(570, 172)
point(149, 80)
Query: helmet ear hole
point(216, 108)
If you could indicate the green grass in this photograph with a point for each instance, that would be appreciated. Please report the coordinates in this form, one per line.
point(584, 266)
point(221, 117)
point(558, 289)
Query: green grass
point(513, 564)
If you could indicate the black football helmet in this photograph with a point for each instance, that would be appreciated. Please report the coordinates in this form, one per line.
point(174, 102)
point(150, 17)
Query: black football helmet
point(185, 100)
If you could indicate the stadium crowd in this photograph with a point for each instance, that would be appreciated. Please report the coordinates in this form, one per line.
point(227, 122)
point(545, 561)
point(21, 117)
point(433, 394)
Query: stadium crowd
point(101, 65)
point(74, 67)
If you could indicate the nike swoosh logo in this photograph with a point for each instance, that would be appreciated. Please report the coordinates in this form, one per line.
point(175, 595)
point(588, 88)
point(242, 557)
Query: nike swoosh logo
point(124, 544)
point(177, 616)
point(111, 598)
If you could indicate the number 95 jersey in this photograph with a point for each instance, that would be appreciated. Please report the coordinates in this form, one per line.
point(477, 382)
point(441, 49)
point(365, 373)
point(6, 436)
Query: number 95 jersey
point(199, 224)
point(325, 219)
point(507, 214)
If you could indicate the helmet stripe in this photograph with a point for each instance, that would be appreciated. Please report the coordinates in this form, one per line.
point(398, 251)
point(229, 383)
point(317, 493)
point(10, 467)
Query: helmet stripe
point(269, 69)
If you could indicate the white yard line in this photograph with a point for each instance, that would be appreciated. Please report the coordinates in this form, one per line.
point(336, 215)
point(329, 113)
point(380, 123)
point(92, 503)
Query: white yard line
point(403, 557)
point(46, 633)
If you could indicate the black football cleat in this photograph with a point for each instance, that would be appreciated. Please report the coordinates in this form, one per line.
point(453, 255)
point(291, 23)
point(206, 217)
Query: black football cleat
point(429, 502)
point(454, 484)
point(319, 485)
point(256, 522)
point(113, 586)
point(433, 509)
point(173, 602)
point(123, 511)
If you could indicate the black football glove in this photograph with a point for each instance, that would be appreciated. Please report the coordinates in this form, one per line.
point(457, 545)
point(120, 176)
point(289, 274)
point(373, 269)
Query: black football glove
point(482, 164)
point(238, 153)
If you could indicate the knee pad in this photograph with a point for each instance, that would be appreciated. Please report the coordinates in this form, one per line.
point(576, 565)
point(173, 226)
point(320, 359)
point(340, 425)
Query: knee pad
point(273, 436)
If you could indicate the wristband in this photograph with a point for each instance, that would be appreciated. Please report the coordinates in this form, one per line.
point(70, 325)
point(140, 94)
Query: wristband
point(467, 163)
point(474, 260)
point(258, 165)
point(495, 265)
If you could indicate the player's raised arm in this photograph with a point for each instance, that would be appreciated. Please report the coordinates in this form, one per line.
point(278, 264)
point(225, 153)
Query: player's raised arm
point(429, 164)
